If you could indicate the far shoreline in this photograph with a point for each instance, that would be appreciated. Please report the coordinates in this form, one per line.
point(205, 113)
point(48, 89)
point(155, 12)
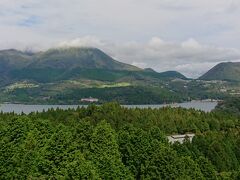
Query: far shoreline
point(101, 103)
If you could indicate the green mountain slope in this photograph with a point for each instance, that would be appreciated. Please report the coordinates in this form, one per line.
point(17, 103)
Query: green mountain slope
point(228, 71)
point(57, 64)
point(85, 58)
point(13, 59)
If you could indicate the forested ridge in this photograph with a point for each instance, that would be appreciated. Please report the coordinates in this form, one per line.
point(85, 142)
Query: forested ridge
point(113, 142)
point(230, 106)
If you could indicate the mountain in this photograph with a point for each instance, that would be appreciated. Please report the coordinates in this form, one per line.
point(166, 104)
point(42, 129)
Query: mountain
point(70, 63)
point(62, 58)
point(85, 58)
point(13, 59)
point(229, 71)
point(57, 64)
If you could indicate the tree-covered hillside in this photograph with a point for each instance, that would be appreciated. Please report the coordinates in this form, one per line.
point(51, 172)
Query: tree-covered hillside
point(113, 142)
point(230, 105)
point(229, 71)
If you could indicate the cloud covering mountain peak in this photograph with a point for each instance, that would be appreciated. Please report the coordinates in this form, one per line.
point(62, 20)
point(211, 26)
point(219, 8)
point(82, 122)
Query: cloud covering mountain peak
point(189, 57)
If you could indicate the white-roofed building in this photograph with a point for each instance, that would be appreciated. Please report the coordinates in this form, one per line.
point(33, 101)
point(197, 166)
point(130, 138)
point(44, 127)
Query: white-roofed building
point(180, 138)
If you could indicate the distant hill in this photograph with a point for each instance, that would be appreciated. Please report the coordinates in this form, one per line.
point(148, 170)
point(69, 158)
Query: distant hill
point(229, 71)
point(149, 70)
point(173, 74)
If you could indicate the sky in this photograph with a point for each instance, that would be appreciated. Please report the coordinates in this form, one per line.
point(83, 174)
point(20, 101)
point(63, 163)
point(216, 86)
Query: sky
point(189, 36)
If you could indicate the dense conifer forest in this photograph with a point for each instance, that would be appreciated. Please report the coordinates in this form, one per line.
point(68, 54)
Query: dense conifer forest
point(113, 142)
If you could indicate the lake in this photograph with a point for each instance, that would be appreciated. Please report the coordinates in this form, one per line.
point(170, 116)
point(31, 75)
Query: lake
point(19, 108)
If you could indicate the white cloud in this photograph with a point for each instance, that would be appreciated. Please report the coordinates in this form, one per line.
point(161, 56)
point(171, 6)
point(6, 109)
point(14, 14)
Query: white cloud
point(82, 42)
point(215, 22)
point(195, 69)
point(191, 43)
point(140, 64)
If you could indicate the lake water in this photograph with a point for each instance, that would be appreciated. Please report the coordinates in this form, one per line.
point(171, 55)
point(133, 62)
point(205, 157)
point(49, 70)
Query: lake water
point(206, 106)
point(19, 108)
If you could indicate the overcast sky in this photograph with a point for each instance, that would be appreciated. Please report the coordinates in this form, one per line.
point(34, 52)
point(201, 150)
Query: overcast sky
point(189, 36)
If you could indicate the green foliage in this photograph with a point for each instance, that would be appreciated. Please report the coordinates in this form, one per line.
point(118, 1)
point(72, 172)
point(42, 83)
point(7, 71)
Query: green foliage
point(230, 105)
point(105, 155)
point(113, 142)
point(123, 95)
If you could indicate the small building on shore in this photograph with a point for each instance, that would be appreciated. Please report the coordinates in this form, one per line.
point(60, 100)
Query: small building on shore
point(180, 138)
point(90, 100)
